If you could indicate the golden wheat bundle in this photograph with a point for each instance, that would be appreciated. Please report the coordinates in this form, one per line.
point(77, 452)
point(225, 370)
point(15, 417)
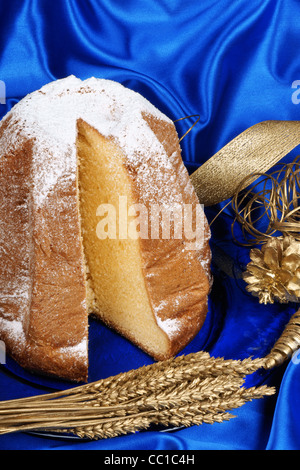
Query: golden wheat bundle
point(184, 391)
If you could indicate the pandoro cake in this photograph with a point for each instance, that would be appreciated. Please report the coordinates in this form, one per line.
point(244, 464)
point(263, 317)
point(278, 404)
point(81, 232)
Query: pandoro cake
point(71, 154)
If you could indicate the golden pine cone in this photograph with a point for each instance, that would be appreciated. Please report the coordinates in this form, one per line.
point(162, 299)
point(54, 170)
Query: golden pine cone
point(274, 271)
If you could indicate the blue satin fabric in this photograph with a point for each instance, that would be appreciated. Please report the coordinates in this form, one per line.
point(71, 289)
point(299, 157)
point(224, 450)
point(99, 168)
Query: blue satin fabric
point(233, 63)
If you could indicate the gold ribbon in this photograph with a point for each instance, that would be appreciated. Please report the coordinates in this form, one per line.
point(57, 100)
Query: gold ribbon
point(255, 150)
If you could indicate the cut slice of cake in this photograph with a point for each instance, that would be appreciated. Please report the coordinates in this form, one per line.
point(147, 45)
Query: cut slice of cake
point(152, 291)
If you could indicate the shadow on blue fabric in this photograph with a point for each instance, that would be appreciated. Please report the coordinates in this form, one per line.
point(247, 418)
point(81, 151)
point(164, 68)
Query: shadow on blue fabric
point(233, 63)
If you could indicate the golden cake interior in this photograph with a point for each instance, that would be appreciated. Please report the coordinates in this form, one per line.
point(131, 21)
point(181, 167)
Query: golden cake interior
point(115, 281)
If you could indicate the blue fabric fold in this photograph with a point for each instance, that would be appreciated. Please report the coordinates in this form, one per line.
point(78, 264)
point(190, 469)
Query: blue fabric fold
point(231, 63)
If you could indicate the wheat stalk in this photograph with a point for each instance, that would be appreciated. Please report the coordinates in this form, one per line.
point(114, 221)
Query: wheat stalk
point(194, 413)
point(121, 387)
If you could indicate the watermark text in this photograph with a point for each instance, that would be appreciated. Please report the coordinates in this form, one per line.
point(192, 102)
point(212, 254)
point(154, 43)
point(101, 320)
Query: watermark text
point(296, 93)
point(2, 352)
point(2, 92)
point(154, 221)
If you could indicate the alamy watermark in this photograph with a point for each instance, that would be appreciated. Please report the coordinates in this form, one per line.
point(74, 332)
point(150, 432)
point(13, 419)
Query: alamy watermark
point(2, 352)
point(154, 221)
point(296, 93)
point(2, 92)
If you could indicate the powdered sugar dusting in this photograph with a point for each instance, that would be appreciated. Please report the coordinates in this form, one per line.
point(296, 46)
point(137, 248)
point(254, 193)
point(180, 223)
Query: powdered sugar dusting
point(14, 329)
point(170, 326)
point(79, 350)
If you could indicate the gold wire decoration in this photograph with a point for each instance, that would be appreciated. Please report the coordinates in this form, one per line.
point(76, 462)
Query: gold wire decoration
point(189, 130)
point(273, 273)
point(272, 202)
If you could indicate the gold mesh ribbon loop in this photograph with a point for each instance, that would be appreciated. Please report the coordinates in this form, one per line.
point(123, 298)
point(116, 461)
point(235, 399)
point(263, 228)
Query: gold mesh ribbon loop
point(255, 150)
